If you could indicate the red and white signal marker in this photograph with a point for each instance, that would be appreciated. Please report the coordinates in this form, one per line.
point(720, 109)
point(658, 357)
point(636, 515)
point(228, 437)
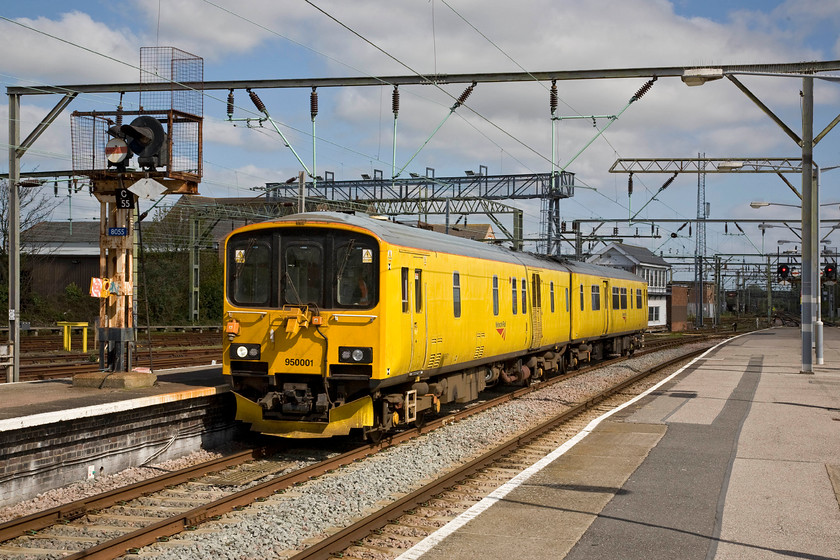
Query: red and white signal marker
point(116, 150)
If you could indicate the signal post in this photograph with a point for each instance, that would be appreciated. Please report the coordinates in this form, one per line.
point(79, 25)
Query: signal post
point(165, 136)
point(116, 264)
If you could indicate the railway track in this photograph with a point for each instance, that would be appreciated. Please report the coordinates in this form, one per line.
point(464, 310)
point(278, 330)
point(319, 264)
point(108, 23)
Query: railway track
point(43, 357)
point(67, 529)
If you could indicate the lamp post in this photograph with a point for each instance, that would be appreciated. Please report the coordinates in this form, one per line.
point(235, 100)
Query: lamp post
point(817, 341)
point(700, 76)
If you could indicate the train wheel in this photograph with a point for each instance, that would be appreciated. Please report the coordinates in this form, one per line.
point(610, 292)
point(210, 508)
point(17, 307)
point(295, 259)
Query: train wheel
point(373, 435)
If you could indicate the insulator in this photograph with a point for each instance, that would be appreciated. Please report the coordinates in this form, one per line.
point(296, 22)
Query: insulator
point(464, 96)
point(120, 111)
point(313, 103)
point(553, 97)
point(615, 230)
point(668, 182)
point(230, 105)
point(644, 89)
point(630, 185)
point(563, 227)
point(395, 101)
point(689, 230)
point(725, 227)
point(255, 99)
point(682, 226)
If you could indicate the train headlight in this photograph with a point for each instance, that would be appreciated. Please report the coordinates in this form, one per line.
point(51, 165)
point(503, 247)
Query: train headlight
point(355, 354)
point(245, 351)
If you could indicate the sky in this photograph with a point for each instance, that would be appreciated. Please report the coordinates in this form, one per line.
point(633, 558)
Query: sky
point(505, 127)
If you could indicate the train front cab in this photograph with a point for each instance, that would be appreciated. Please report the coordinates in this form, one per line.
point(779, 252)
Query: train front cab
point(302, 310)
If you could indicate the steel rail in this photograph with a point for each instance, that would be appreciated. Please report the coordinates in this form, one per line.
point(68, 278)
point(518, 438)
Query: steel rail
point(37, 521)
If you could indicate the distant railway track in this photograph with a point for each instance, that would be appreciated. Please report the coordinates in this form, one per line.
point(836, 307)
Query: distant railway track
point(36, 529)
point(43, 357)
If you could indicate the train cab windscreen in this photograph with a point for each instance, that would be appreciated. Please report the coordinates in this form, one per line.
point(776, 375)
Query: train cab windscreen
point(324, 268)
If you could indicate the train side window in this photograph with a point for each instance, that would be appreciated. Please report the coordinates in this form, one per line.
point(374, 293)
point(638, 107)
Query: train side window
point(456, 293)
point(567, 300)
point(513, 294)
point(404, 283)
point(581, 297)
point(616, 300)
point(495, 295)
point(624, 298)
point(418, 290)
point(524, 296)
point(596, 298)
point(638, 299)
point(551, 294)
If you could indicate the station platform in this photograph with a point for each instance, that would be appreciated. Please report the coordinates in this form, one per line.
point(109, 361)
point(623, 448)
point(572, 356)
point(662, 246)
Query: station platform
point(737, 455)
point(43, 402)
point(53, 433)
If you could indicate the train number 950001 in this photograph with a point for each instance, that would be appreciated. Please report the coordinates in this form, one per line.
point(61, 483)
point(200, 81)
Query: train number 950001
point(299, 362)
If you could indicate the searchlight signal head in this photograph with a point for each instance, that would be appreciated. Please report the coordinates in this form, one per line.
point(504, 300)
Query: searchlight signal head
point(144, 137)
point(783, 271)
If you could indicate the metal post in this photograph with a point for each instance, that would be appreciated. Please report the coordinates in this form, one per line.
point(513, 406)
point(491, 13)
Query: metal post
point(13, 374)
point(808, 265)
point(815, 250)
point(769, 293)
point(195, 270)
point(717, 291)
point(301, 192)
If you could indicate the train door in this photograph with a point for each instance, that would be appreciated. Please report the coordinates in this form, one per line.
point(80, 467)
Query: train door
point(536, 311)
point(608, 305)
point(419, 314)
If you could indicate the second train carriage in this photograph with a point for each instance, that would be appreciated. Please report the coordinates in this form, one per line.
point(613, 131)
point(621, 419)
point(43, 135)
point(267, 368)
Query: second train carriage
point(337, 322)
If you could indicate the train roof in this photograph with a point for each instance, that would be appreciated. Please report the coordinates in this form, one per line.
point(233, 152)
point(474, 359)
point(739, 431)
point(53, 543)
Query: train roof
point(578, 267)
point(408, 236)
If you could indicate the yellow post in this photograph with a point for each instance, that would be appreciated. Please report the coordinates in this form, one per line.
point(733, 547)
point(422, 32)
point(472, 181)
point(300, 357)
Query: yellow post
point(68, 326)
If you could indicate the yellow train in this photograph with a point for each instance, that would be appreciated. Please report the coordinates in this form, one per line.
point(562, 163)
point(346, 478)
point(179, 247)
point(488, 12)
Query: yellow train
point(337, 322)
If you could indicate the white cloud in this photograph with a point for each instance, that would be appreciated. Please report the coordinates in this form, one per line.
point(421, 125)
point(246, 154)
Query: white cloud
point(43, 59)
point(672, 120)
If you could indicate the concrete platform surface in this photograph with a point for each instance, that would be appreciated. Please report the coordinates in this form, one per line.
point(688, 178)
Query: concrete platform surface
point(737, 456)
point(44, 402)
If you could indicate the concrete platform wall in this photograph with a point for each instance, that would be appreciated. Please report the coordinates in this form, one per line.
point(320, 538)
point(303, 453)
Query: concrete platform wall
point(39, 458)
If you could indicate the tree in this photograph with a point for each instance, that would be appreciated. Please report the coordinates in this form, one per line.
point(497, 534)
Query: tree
point(34, 208)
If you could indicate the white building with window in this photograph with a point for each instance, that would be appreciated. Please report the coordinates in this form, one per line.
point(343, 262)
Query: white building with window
point(652, 268)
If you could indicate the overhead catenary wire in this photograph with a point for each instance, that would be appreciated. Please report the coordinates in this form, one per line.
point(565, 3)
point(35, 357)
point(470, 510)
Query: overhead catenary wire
point(336, 144)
